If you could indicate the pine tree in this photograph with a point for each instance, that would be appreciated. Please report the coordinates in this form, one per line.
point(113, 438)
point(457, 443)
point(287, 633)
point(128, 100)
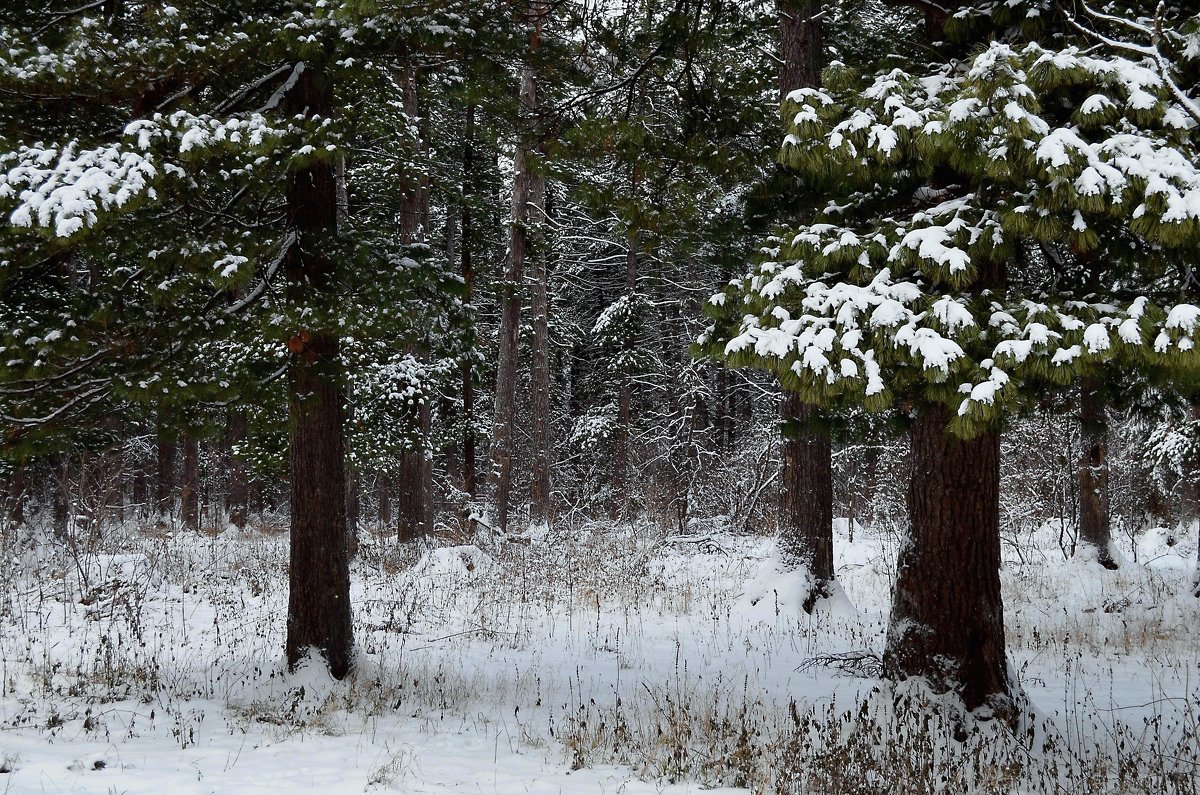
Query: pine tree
point(806, 513)
point(951, 190)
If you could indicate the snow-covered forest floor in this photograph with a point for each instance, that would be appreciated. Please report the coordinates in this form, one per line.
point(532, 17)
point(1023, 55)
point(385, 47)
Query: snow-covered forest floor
point(598, 660)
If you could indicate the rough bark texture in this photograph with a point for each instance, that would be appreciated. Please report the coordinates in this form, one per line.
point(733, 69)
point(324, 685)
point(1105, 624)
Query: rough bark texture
point(500, 476)
point(800, 44)
point(1095, 528)
point(15, 509)
point(947, 621)
point(189, 492)
point(806, 512)
point(319, 571)
point(806, 518)
point(237, 498)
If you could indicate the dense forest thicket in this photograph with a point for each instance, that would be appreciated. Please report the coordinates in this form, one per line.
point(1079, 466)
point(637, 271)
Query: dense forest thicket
point(475, 269)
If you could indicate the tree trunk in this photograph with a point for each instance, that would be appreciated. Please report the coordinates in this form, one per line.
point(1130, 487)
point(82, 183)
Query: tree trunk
point(60, 504)
point(947, 622)
point(1095, 528)
point(319, 570)
point(237, 497)
point(413, 494)
point(164, 481)
point(799, 44)
point(625, 392)
point(470, 485)
point(500, 476)
point(383, 496)
point(189, 494)
point(539, 404)
point(806, 518)
point(15, 507)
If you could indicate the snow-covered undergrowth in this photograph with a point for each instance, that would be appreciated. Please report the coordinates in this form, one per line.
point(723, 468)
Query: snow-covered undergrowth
point(600, 660)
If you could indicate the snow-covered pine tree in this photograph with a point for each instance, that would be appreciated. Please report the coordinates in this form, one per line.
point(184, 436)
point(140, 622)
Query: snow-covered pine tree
point(164, 171)
point(932, 278)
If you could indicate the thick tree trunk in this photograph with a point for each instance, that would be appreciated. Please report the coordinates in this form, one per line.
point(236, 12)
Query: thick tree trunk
point(319, 571)
point(164, 481)
point(806, 518)
point(947, 622)
point(1095, 528)
point(800, 44)
point(189, 493)
point(539, 404)
point(237, 497)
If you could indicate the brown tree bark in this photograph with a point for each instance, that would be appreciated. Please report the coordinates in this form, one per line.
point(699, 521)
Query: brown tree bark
point(414, 482)
point(947, 622)
point(319, 571)
point(469, 469)
point(60, 502)
point(500, 475)
point(806, 518)
point(806, 512)
point(1095, 528)
point(799, 44)
point(539, 404)
point(625, 391)
point(189, 493)
point(237, 496)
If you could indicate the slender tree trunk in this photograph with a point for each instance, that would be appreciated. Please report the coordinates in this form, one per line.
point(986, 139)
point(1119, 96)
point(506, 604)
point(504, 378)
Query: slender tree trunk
point(947, 622)
point(539, 404)
point(413, 493)
point(139, 489)
point(353, 489)
point(469, 469)
point(189, 494)
point(164, 481)
point(319, 570)
point(806, 519)
point(625, 392)
point(383, 496)
point(60, 504)
point(237, 497)
point(1095, 528)
point(15, 509)
point(806, 515)
point(500, 476)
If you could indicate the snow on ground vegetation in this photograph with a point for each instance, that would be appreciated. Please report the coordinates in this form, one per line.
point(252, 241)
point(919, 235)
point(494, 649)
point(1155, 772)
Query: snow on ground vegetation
point(597, 659)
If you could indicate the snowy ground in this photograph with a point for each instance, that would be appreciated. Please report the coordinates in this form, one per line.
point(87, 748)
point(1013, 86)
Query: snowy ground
point(603, 661)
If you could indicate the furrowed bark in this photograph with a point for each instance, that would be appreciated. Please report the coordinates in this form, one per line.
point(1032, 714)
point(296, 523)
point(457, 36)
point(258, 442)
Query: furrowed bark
point(319, 571)
point(947, 622)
